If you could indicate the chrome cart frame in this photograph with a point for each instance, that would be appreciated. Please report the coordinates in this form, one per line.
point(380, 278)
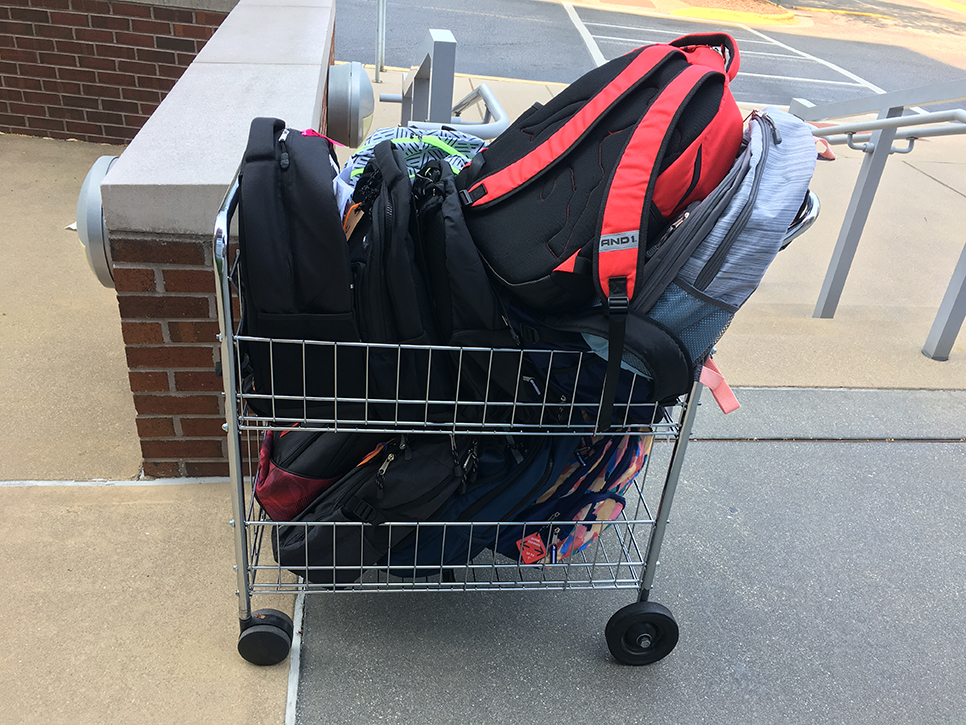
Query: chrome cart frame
point(625, 556)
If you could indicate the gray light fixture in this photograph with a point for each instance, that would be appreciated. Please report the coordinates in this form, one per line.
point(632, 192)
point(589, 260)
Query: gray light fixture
point(351, 104)
point(90, 221)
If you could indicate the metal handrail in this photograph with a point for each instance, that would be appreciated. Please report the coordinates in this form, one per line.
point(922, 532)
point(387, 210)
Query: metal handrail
point(891, 124)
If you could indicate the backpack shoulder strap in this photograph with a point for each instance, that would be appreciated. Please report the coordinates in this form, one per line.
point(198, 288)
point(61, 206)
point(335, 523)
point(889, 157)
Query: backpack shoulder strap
point(506, 180)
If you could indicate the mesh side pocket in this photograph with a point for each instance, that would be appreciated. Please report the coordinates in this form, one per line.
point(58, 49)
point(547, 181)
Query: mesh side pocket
point(697, 320)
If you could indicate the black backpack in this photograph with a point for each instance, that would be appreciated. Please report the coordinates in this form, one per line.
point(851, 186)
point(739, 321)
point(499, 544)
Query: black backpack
point(294, 272)
point(402, 482)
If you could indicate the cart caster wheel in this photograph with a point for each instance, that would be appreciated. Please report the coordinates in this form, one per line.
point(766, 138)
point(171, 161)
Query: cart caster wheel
point(266, 638)
point(641, 633)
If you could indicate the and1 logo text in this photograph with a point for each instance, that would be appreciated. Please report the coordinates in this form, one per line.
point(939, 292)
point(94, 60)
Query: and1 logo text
point(614, 242)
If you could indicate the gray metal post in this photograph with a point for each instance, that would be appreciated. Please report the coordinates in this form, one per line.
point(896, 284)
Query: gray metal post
point(380, 38)
point(856, 216)
point(952, 312)
point(442, 76)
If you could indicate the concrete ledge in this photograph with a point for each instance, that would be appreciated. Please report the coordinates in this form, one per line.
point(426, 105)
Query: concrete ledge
point(266, 59)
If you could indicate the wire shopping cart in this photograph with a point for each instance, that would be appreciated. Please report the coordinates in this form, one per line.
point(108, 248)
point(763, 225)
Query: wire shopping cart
point(624, 556)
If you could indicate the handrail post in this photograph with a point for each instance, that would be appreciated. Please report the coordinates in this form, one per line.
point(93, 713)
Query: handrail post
point(952, 313)
point(856, 216)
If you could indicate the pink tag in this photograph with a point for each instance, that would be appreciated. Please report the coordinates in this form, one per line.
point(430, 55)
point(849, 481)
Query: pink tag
point(532, 548)
point(712, 378)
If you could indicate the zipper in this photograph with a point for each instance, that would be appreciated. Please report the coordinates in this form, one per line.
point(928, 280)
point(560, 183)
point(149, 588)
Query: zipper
point(381, 476)
point(283, 161)
point(717, 260)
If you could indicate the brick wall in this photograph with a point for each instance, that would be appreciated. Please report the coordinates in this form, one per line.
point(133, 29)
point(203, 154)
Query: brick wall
point(91, 69)
point(165, 293)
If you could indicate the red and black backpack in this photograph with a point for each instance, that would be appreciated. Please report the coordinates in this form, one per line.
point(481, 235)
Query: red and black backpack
point(571, 201)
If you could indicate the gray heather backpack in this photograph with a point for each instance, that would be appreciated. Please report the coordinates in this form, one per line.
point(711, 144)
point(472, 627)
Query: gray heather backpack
point(708, 263)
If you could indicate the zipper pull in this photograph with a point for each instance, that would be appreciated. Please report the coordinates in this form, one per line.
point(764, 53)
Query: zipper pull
point(381, 476)
point(283, 161)
point(404, 447)
point(775, 133)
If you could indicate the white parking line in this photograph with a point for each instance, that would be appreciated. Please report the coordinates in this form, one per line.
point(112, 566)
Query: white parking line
point(589, 41)
point(838, 69)
point(801, 80)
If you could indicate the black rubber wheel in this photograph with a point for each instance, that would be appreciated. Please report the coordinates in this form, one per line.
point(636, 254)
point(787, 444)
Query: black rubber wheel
point(641, 633)
point(266, 639)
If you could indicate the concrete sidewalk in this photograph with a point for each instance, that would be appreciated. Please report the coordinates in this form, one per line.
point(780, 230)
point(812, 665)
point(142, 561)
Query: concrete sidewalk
point(119, 604)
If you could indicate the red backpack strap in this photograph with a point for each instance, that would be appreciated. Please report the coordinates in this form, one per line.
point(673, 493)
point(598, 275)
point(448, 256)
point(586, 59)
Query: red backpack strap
point(627, 197)
point(521, 171)
point(623, 231)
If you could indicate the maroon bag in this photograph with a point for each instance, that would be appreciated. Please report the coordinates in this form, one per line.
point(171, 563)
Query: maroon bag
point(296, 466)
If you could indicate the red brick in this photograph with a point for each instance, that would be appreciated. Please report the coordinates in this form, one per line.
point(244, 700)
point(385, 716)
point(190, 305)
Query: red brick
point(137, 68)
point(155, 83)
point(151, 27)
point(134, 280)
point(79, 75)
point(72, 114)
point(206, 18)
point(162, 308)
point(11, 94)
point(49, 124)
point(148, 108)
point(74, 47)
point(50, 4)
point(173, 15)
point(123, 107)
point(170, 356)
point(182, 45)
point(95, 63)
point(27, 109)
point(136, 39)
point(22, 56)
point(144, 333)
point(188, 280)
point(161, 469)
point(100, 91)
point(212, 469)
point(203, 427)
point(41, 98)
point(83, 129)
point(199, 32)
point(135, 121)
point(33, 84)
point(116, 51)
point(76, 20)
point(120, 132)
point(11, 120)
point(189, 382)
point(104, 117)
point(8, 27)
point(153, 382)
point(79, 101)
point(156, 427)
point(52, 86)
point(110, 22)
point(30, 15)
point(158, 252)
point(132, 11)
point(116, 79)
point(94, 35)
point(34, 44)
point(157, 56)
point(63, 32)
point(170, 71)
point(59, 59)
point(185, 59)
point(193, 331)
point(141, 95)
point(91, 6)
point(205, 404)
point(182, 449)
